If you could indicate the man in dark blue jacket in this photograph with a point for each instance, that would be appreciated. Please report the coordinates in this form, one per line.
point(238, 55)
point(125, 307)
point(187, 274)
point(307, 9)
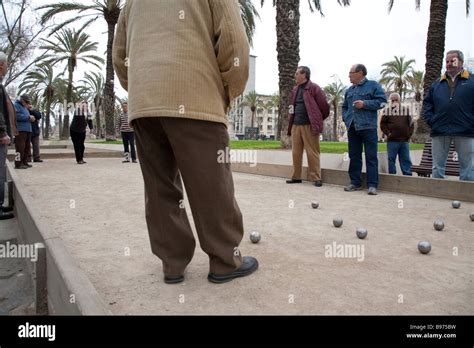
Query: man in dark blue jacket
point(23, 125)
point(35, 135)
point(359, 112)
point(448, 109)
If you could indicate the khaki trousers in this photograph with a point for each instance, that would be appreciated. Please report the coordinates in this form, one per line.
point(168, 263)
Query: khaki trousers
point(170, 149)
point(303, 138)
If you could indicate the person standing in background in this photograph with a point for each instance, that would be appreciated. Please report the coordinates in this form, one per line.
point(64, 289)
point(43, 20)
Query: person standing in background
point(80, 121)
point(128, 135)
point(23, 125)
point(397, 124)
point(35, 135)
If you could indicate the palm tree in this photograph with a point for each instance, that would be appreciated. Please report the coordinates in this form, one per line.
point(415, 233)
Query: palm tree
point(395, 74)
point(110, 11)
point(71, 46)
point(93, 88)
point(40, 82)
point(415, 81)
point(248, 13)
point(288, 43)
point(335, 93)
point(434, 51)
point(105, 9)
point(57, 103)
point(253, 101)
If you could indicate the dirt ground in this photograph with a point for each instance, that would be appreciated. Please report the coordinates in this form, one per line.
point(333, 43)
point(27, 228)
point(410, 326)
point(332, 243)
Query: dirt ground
point(98, 210)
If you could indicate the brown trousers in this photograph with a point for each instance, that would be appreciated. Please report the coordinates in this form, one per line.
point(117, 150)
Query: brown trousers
point(22, 148)
point(303, 138)
point(171, 148)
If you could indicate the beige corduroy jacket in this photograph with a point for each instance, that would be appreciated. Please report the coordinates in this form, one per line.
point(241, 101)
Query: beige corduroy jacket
point(181, 58)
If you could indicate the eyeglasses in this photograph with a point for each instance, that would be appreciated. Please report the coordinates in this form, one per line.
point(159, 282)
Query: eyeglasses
point(353, 72)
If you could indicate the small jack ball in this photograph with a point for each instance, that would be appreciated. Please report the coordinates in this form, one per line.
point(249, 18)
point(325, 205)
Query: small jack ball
point(315, 205)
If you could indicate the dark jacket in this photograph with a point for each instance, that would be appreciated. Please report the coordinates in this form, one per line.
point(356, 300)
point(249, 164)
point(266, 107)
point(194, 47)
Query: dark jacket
point(450, 111)
point(80, 122)
point(373, 96)
point(397, 123)
point(5, 124)
point(316, 105)
point(35, 125)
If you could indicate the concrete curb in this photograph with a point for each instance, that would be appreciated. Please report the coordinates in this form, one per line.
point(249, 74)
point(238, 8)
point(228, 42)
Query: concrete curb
point(69, 291)
point(437, 188)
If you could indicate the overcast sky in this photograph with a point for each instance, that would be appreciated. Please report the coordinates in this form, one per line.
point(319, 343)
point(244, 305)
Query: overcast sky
point(362, 33)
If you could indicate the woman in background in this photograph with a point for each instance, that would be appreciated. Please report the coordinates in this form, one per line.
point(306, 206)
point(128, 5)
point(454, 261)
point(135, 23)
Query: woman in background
point(80, 121)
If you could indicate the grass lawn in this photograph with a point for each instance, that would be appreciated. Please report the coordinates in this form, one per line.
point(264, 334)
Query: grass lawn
point(326, 146)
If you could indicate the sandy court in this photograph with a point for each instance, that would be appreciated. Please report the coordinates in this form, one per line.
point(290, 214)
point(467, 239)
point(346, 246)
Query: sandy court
point(98, 210)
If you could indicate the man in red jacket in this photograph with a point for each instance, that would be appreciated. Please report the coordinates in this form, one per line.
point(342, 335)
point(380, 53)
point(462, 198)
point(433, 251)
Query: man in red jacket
point(308, 109)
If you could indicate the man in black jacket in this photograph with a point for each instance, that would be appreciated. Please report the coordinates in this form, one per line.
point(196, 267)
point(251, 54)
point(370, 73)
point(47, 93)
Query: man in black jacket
point(5, 137)
point(35, 135)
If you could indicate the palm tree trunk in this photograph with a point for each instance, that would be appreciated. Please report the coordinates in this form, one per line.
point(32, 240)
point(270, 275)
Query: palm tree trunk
point(334, 104)
point(253, 119)
point(288, 43)
point(48, 115)
point(434, 57)
point(97, 117)
point(109, 94)
point(60, 123)
point(64, 135)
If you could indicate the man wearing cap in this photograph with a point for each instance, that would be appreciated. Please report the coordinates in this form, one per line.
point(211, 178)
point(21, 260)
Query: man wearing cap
point(23, 125)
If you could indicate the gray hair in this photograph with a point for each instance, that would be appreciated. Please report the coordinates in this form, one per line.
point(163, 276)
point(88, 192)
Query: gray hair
point(361, 67)
point(395, 95)
point(458, 53)
point(3, 57)
point(305, 70)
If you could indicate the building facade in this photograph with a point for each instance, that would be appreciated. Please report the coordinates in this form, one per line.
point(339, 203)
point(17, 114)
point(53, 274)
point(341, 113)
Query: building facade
point(239, 116)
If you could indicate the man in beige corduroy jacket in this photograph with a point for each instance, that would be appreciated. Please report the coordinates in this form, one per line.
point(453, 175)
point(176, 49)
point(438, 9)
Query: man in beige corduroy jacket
point(182, 63)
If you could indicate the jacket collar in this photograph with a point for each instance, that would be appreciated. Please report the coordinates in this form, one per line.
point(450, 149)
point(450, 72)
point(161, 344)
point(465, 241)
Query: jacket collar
point(464, 75)
point(361, 82)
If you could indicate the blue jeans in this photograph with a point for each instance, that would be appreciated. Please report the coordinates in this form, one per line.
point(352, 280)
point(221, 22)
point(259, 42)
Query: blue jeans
point(465, 149)
point(402, 149)
point(368, 139)
point(129, 138)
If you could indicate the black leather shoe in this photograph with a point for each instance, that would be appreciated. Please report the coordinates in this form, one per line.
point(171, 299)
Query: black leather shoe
point(318, 183)
point(294, 181)
point(38, 161)
point(249, 265)
point(6, 216)
point(7, 209)
point(174, 280)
